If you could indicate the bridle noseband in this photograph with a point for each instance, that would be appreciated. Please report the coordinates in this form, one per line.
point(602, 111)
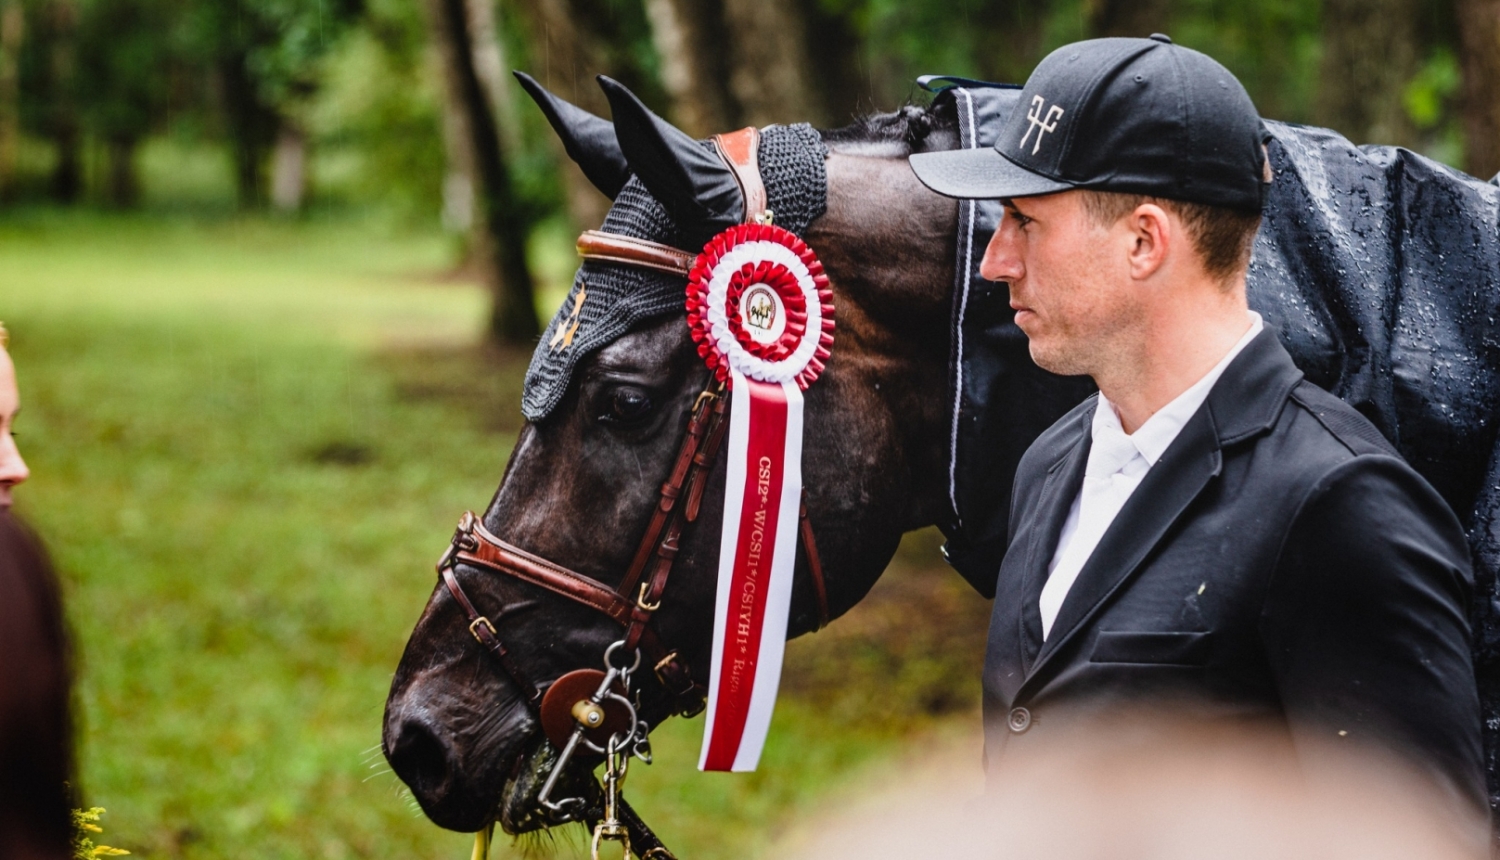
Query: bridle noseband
point(633, 603)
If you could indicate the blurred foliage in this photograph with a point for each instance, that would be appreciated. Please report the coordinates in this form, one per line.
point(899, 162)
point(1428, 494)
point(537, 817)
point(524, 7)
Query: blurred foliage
point(379, 109)
point(283, 40)
point(1272, 46)
point(1430, 103)
point(357, 76)
point(1427, 95)
point(126, 54)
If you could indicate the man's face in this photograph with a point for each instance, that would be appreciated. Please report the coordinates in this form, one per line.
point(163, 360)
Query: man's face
point(12, 468)
point(1069, 281)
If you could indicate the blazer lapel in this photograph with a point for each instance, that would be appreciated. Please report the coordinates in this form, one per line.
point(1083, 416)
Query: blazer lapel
point(1171, 485)
point(1056, 500)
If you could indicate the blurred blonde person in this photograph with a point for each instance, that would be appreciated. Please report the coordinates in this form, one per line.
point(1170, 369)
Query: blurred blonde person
point(36, 737)
point(13, 469)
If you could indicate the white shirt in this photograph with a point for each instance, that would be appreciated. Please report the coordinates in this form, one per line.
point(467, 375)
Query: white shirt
point(1117, 465)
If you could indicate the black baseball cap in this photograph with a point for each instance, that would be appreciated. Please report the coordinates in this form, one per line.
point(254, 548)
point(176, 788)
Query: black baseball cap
point(1139, 116)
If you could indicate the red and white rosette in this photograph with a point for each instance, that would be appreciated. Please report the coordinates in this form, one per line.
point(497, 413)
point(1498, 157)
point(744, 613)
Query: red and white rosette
point(761, 313)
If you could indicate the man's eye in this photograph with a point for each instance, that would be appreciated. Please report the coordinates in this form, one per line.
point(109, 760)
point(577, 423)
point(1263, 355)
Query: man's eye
point(627, 404)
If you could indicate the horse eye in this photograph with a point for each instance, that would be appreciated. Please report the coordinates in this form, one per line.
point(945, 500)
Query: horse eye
point(627, 404)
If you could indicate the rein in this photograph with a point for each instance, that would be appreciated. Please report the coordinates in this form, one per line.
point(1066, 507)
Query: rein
point(581, 717)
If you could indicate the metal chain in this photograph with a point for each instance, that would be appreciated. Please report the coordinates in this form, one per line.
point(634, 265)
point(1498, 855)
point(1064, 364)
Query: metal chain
point(618, 750)
point(616, 766)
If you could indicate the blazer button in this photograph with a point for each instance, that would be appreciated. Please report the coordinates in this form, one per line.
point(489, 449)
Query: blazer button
point(1019, 720)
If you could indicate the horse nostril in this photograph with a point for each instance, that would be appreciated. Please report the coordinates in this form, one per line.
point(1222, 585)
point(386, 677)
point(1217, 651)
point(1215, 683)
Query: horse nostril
point(421, 760)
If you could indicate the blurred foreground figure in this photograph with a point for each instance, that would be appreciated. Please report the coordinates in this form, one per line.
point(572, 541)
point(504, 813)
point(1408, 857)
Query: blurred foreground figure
point(35, 731)
point(12, 468)
point(1158, 790)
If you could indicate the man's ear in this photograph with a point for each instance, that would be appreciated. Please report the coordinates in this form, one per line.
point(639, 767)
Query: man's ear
point(1153, 240)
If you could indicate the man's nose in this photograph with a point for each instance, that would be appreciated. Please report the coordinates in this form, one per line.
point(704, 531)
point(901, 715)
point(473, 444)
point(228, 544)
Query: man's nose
point(1001, 260)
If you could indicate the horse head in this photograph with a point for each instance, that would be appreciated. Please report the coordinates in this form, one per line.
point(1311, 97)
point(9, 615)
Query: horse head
point(607, 410)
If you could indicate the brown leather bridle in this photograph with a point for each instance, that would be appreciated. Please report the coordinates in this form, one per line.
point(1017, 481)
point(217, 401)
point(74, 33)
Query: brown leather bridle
point(635, 601)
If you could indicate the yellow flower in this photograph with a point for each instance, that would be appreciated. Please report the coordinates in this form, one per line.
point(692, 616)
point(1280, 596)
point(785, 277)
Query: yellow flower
point(84, 847)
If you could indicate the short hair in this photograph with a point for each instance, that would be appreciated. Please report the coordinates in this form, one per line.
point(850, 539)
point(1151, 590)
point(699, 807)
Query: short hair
point(1222, 236)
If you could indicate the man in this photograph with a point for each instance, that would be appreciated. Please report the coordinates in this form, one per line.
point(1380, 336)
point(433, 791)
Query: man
point(1210, 534)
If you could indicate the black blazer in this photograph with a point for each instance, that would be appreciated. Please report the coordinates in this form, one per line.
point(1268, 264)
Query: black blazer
point(1280, 562)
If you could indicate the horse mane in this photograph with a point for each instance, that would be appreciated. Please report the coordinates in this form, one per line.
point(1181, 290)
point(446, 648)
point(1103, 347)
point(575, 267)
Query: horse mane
point(896, 133)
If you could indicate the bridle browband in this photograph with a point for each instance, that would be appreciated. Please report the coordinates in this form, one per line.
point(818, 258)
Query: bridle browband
point(637, 598)
point(630, 251)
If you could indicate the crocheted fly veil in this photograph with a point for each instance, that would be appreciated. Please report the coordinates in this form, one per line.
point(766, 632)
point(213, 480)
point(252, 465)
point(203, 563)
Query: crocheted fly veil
point(608, 299)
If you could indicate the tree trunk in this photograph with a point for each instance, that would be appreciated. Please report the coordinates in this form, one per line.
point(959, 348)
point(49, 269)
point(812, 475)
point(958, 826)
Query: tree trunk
point(289, 170)
point(694, 76)
point(837, 67)
point(62, 120)
point(770, 75)
point(253, 127)
point(1133, 18)
point(123, 190)
point(67, 172)
point(500, 230)
point(1369, 56)
point(490, 65)
point(458, 184)
point(1479, 24)
point(12, 29)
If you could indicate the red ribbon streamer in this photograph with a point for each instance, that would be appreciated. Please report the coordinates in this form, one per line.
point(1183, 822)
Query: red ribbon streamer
point(765, 462)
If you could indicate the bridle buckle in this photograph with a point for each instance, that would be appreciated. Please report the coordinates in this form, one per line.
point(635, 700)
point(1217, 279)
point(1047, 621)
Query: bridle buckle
point(708, 394)
point(463, 540)
point(488, 626)
point(641, 600)
point(662, 663)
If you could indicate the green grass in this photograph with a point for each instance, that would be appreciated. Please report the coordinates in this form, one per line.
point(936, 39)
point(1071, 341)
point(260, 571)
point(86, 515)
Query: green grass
point(249, 440)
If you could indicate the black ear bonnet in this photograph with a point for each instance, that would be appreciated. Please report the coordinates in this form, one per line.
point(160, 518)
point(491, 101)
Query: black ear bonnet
point(617, 297)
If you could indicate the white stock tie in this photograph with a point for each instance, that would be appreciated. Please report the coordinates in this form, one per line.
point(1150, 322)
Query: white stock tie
point(1111, 451)
point(1115, 468)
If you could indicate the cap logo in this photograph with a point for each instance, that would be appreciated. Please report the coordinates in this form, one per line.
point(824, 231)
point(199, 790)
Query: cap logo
point(1036, 121)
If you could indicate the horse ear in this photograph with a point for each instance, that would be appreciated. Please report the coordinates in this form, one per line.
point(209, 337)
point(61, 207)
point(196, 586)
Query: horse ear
point(690, 180)
point(589, 140)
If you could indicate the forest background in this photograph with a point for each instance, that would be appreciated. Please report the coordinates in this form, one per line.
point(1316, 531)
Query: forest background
point(297, 106)
point(272, 271)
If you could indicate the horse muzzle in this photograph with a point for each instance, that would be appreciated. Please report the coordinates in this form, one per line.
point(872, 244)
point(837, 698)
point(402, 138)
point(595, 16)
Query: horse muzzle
point(460, 758)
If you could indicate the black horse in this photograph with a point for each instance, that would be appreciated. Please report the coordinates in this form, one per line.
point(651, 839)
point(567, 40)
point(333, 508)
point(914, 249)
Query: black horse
point(881, 435)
